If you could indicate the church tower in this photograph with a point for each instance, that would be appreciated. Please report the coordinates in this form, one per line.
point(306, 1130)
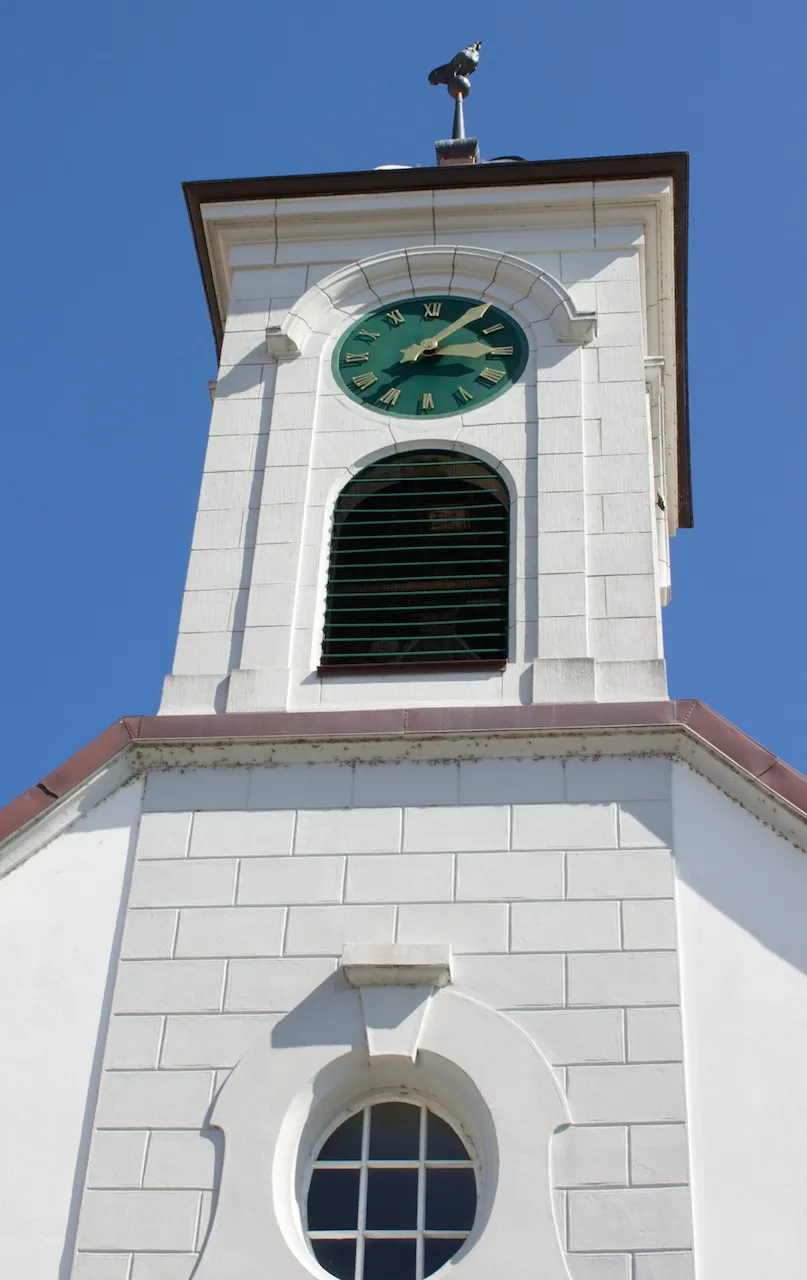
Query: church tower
point(448, 444)
point(420, 933)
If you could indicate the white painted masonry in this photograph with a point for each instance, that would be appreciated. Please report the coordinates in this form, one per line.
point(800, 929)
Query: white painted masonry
point(583, 450)
point(581, 936)
point(554, 909)
point(742, 904)
point(59, 918)
point(550, 878)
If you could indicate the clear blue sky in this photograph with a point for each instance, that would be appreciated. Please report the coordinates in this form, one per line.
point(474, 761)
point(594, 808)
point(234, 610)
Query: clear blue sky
point(107, 347)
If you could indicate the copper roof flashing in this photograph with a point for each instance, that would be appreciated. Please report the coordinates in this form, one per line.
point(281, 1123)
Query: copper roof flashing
point(693, 719)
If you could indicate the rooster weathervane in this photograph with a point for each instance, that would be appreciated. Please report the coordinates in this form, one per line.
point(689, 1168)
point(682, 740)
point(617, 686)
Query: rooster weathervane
point(455, 76)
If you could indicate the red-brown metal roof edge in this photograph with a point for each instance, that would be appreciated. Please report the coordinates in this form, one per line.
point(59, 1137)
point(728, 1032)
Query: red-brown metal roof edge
point(663, 164)
point(692, 717)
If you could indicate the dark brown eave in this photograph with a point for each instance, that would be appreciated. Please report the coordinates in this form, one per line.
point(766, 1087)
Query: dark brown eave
point(674, 165)
point(692, 718)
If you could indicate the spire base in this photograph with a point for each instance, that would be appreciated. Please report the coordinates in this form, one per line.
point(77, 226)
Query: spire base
point(457, 151)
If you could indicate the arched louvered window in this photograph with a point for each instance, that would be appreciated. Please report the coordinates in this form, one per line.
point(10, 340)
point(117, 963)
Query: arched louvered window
point(419, 566)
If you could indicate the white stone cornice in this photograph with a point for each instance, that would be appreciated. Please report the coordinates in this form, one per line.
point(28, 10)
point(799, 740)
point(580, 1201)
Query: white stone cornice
point(533, 295)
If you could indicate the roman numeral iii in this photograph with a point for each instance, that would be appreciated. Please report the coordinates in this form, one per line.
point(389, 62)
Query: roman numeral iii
point(500, 351)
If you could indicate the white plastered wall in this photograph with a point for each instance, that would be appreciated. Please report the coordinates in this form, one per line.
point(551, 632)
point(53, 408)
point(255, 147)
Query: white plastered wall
point(550, 879)
point(59, 914)
point(742, 907)
point(282, 439)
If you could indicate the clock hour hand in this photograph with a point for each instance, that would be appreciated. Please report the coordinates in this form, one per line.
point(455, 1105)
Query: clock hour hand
point(465, 349)
point(410, 354)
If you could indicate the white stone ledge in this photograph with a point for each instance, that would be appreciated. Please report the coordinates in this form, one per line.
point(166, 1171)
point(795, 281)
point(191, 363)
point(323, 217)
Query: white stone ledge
point(397, 964)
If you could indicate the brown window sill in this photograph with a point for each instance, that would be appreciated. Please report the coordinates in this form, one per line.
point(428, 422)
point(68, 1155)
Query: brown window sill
point(452, 667)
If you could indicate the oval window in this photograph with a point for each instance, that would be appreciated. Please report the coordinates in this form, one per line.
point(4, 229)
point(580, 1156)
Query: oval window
point(392, 1194)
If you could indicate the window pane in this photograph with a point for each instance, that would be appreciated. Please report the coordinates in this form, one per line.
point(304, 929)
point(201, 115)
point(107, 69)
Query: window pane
point(345, 1142)
point(333, 1200)
point(392, 1198)
point(442, 1143)
point(389, 1260)
point(394, 1131)
point(436, 1252)
point(450, 1199)
point(336, 1256)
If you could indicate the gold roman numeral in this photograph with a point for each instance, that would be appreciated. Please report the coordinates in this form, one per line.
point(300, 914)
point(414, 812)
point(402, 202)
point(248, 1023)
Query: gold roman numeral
point(494, 328)
point(500, 351)
point(391, 396)
point(462, 395)
point(364, 380)
point(426, 402)
point(356, 357)
point(394, 318)
point(368, 335)
point(488, 375)
point(432, 310)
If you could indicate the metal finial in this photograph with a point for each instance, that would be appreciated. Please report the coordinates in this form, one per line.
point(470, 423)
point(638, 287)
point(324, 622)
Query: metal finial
point(455, 76)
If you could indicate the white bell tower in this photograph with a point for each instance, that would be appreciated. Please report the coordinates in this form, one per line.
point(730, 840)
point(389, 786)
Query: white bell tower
point(589, 441)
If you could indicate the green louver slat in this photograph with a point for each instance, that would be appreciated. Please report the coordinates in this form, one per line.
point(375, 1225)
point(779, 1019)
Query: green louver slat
point(419, 563)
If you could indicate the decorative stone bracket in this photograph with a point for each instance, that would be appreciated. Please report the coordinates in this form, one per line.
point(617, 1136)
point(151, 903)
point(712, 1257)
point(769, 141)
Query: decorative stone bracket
point(395, 985)
point(279, 345)
point(397, 964)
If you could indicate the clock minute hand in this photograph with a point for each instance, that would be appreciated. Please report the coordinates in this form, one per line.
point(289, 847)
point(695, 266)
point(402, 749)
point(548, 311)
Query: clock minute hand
point(474, 313)
point(410, 354)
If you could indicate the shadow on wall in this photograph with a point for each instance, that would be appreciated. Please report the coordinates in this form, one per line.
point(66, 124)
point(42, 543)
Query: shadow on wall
point(748, 873)
point(246, 375)
point(316, 1020)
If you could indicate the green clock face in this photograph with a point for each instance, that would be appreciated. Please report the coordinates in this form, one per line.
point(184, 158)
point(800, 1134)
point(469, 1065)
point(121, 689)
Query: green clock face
point(430, 356)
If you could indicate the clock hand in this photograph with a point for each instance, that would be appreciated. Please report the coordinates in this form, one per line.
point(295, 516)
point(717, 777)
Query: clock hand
point(465, 349)
point(474, 313)
point(430, 344)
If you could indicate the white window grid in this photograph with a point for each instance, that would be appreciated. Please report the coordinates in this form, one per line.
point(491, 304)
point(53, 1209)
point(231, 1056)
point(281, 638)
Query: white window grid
point(419, 1234)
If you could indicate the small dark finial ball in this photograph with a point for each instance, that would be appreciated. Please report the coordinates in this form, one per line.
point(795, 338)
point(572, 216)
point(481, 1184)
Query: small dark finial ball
point(459, 86)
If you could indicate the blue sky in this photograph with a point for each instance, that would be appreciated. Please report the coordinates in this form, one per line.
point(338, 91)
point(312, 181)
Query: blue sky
point(107, 346)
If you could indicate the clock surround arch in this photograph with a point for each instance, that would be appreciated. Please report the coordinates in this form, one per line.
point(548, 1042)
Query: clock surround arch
point(543, 307)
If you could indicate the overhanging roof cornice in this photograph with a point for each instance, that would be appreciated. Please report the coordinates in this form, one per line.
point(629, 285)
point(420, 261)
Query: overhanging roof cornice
point(599, 169)
point(685, 730)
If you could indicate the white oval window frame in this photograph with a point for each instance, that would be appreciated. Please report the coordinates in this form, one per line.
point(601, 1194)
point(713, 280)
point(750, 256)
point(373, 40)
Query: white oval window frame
point(303, 1073)
point(414, 1095)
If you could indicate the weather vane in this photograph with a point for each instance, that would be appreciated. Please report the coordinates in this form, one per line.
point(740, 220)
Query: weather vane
point(455, 76)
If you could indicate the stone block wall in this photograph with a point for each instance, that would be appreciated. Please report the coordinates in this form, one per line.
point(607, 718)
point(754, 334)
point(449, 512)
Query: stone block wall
point(573, 436)
point(552, 881)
